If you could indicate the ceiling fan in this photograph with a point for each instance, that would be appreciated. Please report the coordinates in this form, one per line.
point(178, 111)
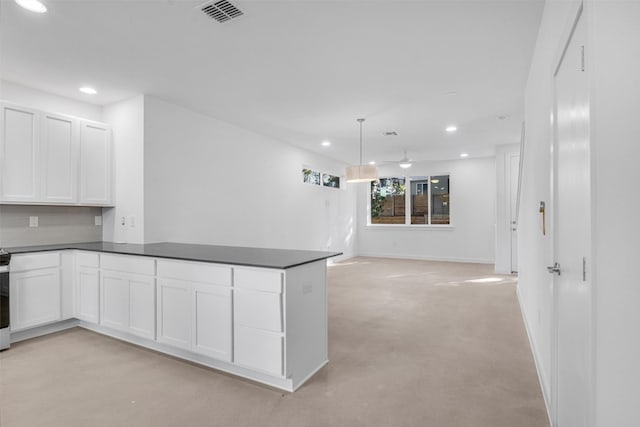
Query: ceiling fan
point(405, 162)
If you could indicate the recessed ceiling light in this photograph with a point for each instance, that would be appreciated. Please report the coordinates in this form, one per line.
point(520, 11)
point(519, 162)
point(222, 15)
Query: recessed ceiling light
point(435, 181)
point(32, 5)
point(451, 128)
point(326, 143)
point(463, 155)
point(88, 90)
point(372, 162)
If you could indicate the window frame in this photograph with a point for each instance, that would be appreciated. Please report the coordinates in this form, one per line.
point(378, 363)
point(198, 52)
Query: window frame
point(407, 207)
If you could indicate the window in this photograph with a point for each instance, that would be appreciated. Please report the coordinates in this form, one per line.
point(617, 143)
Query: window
point(427, 204)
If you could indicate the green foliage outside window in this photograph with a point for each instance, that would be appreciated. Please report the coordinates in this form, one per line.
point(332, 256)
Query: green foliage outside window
point(383, 188)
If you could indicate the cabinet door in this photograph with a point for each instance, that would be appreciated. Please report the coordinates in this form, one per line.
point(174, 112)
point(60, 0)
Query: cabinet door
point(174, 313)
point(114, 300)
point(58, 150)
point(18, 154)
point(259, 349)
point(262, 310)
point(35, 298)
point(88, 294)
point(212, 321)
point(142, 306)
point(95, 164)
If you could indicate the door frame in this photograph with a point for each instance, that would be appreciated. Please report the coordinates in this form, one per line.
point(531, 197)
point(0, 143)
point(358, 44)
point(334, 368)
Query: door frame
point(580, 11)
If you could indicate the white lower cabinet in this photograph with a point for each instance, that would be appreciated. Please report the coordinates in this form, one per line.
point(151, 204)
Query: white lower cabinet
point(259, 349)
point(195, 315)
point(87, 286)
point(88, 294)
point(115, 300)
point(212, 321)
point(35, 298)
point(174, 313)
point(128, 300)
point(269, 325)
point(258, 320)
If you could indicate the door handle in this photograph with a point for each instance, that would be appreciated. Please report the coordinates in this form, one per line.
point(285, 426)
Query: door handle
point(555, 269)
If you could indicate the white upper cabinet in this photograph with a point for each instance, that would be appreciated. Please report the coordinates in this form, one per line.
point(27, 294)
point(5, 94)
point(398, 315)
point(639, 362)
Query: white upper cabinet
point(59, 148)
point(54, 159)
point(18, 154)
point(95, 163)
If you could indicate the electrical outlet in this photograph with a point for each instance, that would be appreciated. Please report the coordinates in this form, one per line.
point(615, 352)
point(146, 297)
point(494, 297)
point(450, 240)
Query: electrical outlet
point(33, 221)
point(123, 221)
point(98, 220)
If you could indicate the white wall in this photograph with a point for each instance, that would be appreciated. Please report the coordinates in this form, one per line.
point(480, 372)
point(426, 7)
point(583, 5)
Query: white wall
point(473, 212)
point(615, 67)
point(613, 62)
point(127, 121)
point(207, 181)
point(38, 99)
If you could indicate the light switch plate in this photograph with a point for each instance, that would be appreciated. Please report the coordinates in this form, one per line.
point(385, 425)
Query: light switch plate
point(33, 221)
point(98, 220)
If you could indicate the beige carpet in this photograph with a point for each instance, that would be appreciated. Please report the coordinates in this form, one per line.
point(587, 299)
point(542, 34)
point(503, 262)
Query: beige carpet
point(411, 343)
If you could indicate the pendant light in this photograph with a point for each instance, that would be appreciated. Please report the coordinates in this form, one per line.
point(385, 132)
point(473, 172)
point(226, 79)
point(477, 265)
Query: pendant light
point(361, 173)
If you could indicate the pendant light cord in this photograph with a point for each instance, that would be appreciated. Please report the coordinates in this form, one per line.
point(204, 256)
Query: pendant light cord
point(360, 121)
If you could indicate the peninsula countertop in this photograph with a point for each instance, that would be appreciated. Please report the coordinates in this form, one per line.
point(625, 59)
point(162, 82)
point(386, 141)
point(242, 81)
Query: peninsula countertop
point(234, 255)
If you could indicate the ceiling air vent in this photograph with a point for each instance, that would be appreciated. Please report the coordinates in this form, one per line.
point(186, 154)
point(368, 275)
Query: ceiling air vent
point(221, 10)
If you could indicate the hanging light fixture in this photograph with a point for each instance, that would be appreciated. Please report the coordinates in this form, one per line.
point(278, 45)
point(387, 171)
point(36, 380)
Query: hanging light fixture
point(361, 173)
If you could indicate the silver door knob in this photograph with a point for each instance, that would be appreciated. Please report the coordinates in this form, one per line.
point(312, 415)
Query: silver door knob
point(555, 269)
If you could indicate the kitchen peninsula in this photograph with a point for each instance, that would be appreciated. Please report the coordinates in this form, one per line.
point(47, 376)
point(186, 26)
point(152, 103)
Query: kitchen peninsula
point(255, 312)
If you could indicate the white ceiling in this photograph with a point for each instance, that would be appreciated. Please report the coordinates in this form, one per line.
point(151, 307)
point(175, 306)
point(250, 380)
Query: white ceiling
point(299, 71)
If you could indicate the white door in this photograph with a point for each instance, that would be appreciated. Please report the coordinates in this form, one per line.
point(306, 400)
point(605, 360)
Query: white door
point(88, 294)
point(514, 170)
point(58, 148)
point(95, 164)
point(571, 236)
point(18, 154)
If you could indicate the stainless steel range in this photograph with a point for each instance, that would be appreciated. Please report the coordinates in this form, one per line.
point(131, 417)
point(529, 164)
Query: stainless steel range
point(5, 257)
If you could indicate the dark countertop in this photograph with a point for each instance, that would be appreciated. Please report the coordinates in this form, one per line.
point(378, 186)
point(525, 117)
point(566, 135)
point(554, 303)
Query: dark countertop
point(236, 255)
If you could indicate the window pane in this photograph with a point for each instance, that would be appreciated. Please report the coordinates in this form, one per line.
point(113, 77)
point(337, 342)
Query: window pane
point(387, 201)
point(440, 199)
point(419, 200)
point(330, 180)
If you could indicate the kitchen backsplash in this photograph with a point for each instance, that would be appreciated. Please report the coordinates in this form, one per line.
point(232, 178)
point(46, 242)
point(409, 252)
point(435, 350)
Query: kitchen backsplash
point(56, 224)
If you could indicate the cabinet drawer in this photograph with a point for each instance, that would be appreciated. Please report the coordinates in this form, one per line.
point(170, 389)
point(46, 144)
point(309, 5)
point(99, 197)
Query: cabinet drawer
point(35, 261)
point(195, 272)
point(261, 350)
point(261, 310)
point(128, 264)
point(258, 279)
point(87, 259)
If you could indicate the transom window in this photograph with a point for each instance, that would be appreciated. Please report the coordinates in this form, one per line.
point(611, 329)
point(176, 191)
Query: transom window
point(428, 202)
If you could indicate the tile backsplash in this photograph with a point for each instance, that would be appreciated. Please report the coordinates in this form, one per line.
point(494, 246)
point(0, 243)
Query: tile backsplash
point(56, 224)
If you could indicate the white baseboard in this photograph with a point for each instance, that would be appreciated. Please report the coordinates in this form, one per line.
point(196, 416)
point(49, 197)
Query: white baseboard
point(43, 330)
point(536, 358)
point(425, 258)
